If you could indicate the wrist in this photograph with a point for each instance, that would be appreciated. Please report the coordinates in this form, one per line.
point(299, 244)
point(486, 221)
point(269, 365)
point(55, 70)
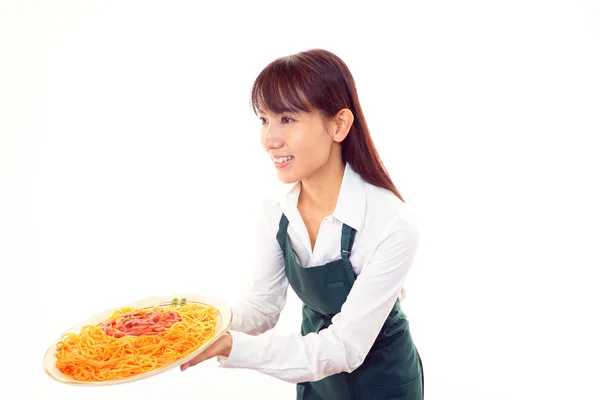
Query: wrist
point(228, 339)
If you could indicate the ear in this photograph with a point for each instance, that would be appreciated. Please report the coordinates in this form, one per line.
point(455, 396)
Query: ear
point(341, 124)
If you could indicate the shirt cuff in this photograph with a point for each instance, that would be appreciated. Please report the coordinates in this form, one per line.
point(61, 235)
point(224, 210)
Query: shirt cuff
point(243, 354)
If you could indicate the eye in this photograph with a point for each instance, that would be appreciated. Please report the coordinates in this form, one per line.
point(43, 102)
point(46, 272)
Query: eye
point(286, 120)
point(262, 120)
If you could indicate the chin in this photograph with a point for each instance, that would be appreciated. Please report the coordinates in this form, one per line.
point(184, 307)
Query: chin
point(285, 178)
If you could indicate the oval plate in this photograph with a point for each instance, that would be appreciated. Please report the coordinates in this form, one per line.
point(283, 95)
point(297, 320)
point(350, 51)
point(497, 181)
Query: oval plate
point(223, 323)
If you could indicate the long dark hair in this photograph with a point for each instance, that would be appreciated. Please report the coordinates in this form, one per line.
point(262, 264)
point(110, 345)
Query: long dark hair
point(317, 79)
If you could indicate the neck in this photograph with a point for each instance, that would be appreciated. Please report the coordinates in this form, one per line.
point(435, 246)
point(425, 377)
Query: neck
point(320, 191)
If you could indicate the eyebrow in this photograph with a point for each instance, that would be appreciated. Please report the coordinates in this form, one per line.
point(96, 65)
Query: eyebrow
point(260, 111)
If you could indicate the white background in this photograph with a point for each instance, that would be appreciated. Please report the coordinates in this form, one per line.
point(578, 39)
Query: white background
point(130, 166)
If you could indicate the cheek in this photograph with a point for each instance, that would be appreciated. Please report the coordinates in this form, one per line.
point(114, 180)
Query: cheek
point(312, 150)
point(262, 138)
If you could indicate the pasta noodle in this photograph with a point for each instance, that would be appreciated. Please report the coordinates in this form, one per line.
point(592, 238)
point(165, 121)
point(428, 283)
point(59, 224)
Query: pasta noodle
point(133, 342)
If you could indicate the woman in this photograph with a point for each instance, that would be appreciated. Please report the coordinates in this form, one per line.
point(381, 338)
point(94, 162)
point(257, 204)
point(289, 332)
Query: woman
point(341, 237)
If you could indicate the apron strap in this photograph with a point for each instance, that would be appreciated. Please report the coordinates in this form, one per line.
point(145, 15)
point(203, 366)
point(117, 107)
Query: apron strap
point(347, 241)
point(282, 233)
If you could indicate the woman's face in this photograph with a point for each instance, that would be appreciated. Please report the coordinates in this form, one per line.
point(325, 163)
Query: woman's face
point(298, 143)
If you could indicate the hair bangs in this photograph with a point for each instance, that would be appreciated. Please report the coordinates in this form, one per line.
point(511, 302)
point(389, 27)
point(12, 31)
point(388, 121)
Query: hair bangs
point(281, 87)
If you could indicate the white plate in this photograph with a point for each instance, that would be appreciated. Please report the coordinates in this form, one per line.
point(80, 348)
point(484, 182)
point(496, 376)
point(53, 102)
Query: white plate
point(223, 323)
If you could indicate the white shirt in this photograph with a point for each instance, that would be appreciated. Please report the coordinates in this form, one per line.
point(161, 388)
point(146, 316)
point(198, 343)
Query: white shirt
point(384, 248)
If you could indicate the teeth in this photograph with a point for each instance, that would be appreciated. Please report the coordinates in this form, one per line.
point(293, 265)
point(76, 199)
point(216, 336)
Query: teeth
point(283, 159)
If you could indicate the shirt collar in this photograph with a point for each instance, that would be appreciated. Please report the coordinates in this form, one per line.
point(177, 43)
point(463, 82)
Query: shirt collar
point(351, 203)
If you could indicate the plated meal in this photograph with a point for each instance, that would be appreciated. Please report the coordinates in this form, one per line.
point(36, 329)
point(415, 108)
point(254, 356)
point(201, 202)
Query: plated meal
point(136, 340)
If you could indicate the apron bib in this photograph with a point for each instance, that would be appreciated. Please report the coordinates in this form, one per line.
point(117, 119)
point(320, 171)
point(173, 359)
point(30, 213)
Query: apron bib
point(392, 369)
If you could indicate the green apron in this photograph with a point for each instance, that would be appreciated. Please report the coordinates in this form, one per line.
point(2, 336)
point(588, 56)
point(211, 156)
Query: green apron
point(392, 370)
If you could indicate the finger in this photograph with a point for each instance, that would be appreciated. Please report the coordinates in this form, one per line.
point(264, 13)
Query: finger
point(211, 352)
point(196, 360)
point(192, 362)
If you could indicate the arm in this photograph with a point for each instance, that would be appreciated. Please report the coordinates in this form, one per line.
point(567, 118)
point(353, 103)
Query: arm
point(259, 310)
point(344, 345)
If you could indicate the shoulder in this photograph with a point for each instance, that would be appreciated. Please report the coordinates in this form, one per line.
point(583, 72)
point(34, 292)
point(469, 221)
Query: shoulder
point(268, 209)
point(268, 217)
point(387, 214)
point(268, 202)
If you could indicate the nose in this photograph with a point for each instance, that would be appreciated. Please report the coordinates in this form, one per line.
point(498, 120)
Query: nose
point(272, 138)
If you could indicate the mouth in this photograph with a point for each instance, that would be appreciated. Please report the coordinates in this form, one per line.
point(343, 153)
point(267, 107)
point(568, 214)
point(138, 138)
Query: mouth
point(282, 162)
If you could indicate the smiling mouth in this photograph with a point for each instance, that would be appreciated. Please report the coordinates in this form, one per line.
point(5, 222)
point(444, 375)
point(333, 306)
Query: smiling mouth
point(281, 160)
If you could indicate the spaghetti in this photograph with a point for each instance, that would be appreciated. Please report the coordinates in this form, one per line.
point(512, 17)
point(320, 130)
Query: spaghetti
point(133, 342)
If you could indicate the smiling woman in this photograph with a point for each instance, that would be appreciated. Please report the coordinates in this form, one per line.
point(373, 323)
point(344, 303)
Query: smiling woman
point(342, 237)
point(312, 88)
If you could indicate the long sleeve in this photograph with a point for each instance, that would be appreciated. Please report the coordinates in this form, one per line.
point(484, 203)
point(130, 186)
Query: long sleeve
point(261, 306)
point(344, 345)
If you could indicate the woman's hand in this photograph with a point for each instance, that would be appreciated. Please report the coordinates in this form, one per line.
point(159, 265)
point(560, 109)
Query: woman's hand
point(221, 347)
